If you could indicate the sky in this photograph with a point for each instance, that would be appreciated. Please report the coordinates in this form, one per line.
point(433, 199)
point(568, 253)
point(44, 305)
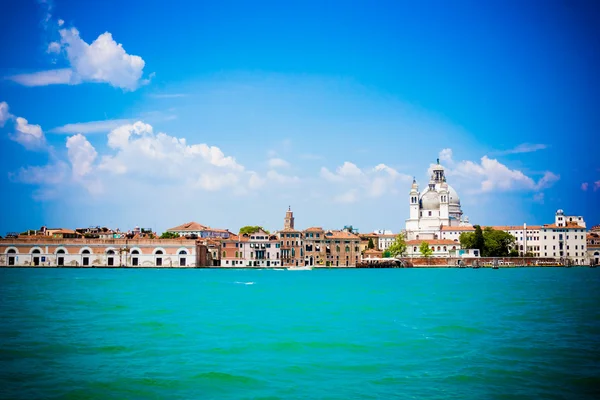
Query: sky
point(125, 114)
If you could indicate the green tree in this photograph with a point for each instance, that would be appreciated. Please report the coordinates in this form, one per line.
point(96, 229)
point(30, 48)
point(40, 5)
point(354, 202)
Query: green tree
point(479, 241)
point(370, 245)
point(514, 253)
point(386, 254)
point(497, 243)
point(249, 229)
point(529, 254)
point(425, 250)
point(169, 235)
point(398, 248)
point(467, 240)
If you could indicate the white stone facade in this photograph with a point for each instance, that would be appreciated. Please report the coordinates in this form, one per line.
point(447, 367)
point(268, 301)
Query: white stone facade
point(438, 205)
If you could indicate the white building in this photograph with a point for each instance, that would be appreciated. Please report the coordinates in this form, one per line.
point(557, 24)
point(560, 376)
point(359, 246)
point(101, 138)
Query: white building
point(384, 241)
point(437, 206)
point(260, 249)
point(564, 239)
point(440, 247)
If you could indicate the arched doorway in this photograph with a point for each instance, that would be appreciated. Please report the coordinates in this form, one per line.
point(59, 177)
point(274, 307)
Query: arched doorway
point(110, 259)
point(36, 256)
point(596, 258)
point(85, 259)
point(158, 254)
point(60, 257)
point(135, 261)
point(11, 256)
point(182, 258)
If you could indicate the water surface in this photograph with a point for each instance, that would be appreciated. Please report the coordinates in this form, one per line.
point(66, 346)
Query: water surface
point(335, 334)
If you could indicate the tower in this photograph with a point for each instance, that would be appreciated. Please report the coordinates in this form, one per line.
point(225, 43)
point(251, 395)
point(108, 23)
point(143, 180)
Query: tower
point(414, 201)
point(288, 223)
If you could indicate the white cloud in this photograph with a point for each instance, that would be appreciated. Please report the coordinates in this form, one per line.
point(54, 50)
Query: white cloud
point(4, 114)
point(104, 61)
point(280, 178)
point(525, 148)
point(596, 185)
point(213, 182)
point(43, 78)
point(374, 182)
point(28, 135)
point(81, 155)
point(51, 174)
point(446, 156)
point(350, 196)
point(278, 163)
point(491, 175)
point(91, 127)
point(53, 48)
point(584, 186)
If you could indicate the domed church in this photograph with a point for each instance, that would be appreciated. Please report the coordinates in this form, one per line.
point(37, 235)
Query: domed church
point(437, 206)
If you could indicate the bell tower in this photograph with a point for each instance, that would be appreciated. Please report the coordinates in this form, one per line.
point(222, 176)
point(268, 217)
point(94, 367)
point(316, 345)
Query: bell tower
point(288, 223)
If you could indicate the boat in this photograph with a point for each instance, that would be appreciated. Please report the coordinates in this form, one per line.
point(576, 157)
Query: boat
point(303, 268)
point(495, 267)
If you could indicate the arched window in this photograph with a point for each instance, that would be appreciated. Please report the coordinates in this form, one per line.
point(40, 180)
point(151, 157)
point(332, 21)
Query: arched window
point(224, 253)
point(347, 248)
point(185, 252)
point(445, 248)
point(236, 254)
point(415, 249)
point(439, 248)
point(337, 248)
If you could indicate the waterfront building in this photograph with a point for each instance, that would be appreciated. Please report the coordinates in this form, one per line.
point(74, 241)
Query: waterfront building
point(440, 247)
point(437, 206)
point(565, 239)
point(331, 248)
point(385, 240)
point(363, 244)
point(259, 249)
point(46, 251)
point(593, 245)
point(291, 242)
point(196, 230)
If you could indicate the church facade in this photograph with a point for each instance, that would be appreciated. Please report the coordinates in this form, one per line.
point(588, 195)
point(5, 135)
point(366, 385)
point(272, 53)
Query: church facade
point(437, 206)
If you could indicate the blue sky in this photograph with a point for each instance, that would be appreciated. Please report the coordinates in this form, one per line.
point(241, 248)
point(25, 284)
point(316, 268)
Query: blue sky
point(133, 113)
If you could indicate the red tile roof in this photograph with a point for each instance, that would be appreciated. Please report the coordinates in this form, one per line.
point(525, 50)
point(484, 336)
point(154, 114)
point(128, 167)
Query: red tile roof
point(432, 242)
point(189, 226)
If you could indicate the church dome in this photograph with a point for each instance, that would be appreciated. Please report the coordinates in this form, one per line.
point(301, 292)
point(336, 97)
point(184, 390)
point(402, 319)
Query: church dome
point(453, 198)
point(430, 201)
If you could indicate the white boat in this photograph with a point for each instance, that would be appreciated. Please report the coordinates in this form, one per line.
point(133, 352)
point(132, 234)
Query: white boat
point(303, 268)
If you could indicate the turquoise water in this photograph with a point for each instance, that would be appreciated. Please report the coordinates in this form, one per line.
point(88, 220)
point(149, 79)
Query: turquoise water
point(335, 334)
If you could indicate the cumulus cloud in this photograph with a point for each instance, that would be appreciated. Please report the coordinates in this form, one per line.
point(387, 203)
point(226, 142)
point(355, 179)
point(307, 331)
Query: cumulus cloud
point(81, 154)
point(136, 155)
point(103, 61)
point(368, 182)
point(4, 114)
point(492, 175)
point(278, 163)
point(28, 135)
